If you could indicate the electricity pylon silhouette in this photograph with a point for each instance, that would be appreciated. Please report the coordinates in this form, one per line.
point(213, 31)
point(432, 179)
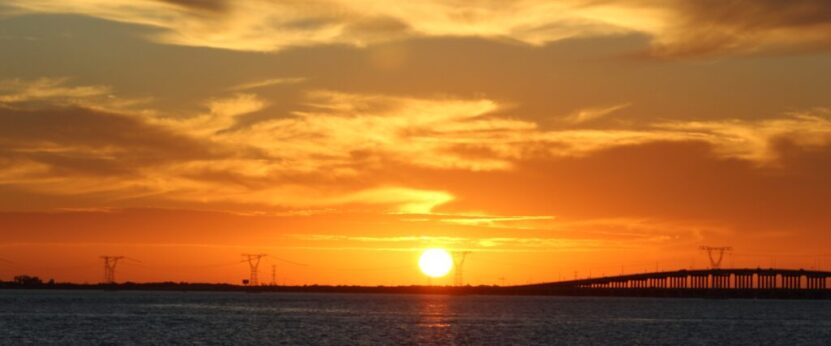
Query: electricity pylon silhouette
point(458, 267)
point(109, 268)
point(715, 262)
point(253, 263)
point(273, 275)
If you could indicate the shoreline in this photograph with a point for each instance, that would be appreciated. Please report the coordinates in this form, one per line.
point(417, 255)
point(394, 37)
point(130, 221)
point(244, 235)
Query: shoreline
point(532, 290)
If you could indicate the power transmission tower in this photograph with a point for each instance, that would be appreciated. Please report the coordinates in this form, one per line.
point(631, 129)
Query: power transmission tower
point(458, 272)
point(273, 275)
point(253, 263)
point(715, 261)
point(109, 268)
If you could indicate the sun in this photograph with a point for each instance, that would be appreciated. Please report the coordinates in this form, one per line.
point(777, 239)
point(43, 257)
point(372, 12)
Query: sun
point(435, 263)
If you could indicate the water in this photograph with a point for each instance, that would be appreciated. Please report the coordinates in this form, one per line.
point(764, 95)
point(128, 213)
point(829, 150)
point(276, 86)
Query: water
point(96, 317)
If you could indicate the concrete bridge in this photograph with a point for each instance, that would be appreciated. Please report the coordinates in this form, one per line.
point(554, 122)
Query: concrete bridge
point(719, 279)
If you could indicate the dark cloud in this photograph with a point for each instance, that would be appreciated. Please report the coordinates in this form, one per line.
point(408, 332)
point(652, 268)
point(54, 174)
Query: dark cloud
point(759, 14)
point(82, 140)
point(201, 5)
point(714, 27)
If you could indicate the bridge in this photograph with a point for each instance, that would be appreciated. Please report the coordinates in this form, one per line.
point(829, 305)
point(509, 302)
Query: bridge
point(710, 279)
point(747, 282)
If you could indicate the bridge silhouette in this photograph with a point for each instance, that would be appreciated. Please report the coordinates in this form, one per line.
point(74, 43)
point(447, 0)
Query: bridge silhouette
point(742, 282)
point(708, 279)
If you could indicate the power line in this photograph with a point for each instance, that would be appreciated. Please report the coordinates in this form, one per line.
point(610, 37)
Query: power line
point(287, 261)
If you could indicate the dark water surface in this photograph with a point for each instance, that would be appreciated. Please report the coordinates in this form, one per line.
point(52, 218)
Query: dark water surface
point(102, 317)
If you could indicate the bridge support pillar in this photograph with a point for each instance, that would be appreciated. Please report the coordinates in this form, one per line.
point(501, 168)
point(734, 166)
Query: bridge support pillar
point(699, 281)
point(767, 281)
point(744, 281)
point(791, 282)
point(721, 281)
point(815, 282)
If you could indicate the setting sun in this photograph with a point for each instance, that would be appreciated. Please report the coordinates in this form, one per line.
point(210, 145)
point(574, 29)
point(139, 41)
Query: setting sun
point(435, 263)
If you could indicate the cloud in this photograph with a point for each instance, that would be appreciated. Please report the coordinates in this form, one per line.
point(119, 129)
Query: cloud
point(49, 90)
point(56, 92)
point(757, 140)
point(579, 235)
point(261, 25)
point(409, 201)
point(706, 28)
point(75, 151)
point(678, 28)
point(478, 244)
point(590, 114)
point(266, 83)
point(340, 129)
point(336, 150)
point(59, 141)
point(222, 114)
point(493, 221)
point(201, 5)
point(19, 171)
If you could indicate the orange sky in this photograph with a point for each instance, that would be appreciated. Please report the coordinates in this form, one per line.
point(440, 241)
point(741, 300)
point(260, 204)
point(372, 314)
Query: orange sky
point(550, 138)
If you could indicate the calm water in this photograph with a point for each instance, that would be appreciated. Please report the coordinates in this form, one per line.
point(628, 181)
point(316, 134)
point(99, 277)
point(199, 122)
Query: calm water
point(92, 317)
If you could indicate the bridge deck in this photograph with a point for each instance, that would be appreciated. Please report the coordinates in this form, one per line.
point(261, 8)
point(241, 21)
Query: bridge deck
point(740, 279)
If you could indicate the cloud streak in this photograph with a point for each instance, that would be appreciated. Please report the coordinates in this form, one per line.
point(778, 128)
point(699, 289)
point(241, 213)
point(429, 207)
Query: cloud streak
point(757, 140)
point(333, 151)
point(678, 28)
point(591, 114)
point(478, 244)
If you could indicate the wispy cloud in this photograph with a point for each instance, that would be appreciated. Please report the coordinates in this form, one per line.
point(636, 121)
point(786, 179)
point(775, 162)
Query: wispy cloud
point(331, 153)
point(590, 114)
point(266, 83)
point(484, 244)
point(679, 28)
point(48, 89)
point(222, 114)
point(756, 140)
point(59, 91)
point(262, 25)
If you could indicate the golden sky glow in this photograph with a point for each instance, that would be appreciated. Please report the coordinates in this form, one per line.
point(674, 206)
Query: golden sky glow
point(546, 137)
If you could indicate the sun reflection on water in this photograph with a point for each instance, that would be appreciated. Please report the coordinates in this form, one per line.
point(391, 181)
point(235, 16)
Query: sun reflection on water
point(436, 319)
